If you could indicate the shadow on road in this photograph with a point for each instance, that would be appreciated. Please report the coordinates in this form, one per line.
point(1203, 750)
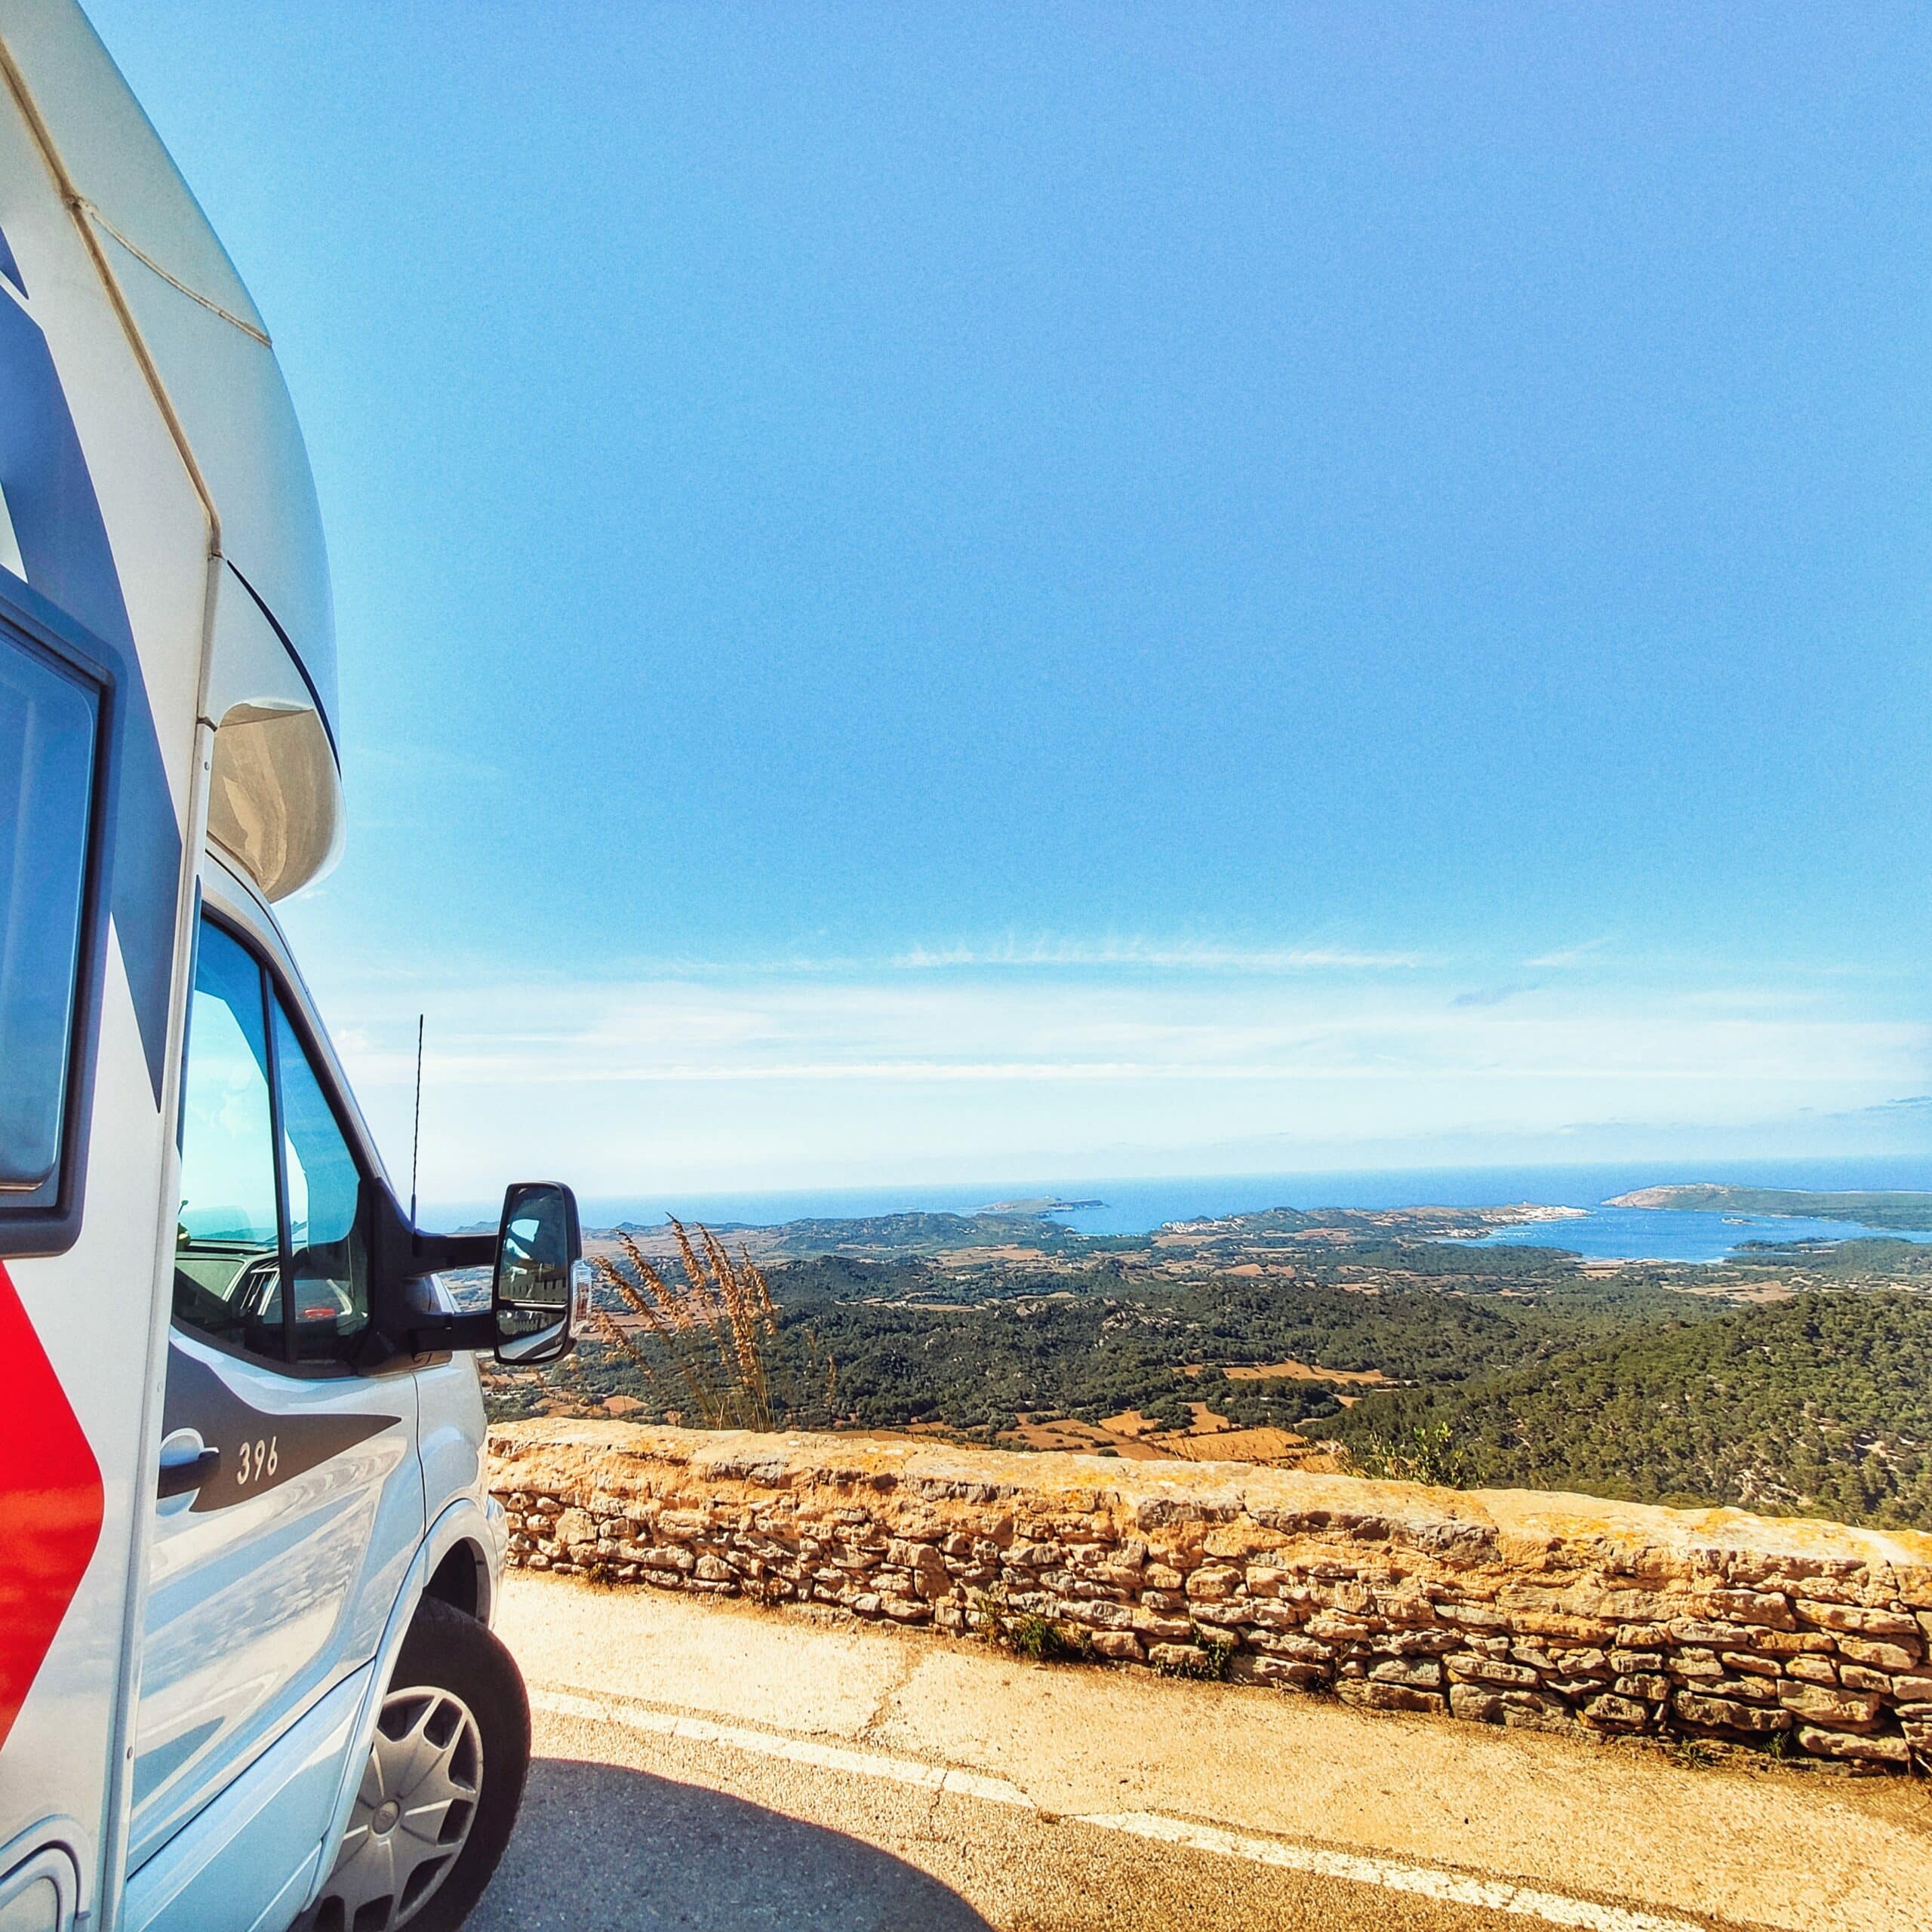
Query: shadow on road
point(597, 1845)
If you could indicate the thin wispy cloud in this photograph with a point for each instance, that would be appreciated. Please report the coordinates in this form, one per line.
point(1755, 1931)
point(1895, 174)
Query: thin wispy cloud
point(1569, 955)
point(1165, 955)
point(1486, 995)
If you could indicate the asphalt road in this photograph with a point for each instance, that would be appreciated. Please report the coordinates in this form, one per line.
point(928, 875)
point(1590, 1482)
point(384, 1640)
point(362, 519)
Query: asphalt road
point(706, 1764)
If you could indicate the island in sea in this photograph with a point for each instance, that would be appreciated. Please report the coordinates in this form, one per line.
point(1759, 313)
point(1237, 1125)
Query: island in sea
point(1047, 1203)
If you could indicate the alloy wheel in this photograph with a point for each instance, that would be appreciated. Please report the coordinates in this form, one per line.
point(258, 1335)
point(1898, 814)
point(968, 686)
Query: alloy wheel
point(412, 1816)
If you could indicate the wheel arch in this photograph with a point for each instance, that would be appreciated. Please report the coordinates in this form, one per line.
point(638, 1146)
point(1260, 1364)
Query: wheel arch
point(462, 1580)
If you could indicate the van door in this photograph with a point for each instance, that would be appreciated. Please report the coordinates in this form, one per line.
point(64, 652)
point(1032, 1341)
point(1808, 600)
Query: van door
point(290, 1505)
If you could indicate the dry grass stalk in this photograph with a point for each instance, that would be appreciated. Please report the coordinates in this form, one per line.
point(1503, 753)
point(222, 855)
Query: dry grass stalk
point(711, 1334)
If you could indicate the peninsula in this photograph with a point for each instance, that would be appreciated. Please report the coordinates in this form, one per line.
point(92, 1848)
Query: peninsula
point(1872, 1209)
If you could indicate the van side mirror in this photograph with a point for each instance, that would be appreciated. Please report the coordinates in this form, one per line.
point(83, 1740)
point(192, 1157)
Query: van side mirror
point(541, 1291)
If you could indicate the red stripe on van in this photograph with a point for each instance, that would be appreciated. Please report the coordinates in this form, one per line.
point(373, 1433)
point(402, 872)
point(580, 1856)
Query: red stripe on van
point(49, 1504)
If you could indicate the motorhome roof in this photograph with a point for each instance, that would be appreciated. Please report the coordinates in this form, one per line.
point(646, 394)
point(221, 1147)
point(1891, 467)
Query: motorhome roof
point(212, 362)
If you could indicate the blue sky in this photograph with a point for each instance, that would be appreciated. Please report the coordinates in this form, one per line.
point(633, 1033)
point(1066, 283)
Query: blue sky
point(934, 594)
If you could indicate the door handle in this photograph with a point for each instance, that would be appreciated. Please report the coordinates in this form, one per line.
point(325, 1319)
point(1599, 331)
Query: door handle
point(185, 1465)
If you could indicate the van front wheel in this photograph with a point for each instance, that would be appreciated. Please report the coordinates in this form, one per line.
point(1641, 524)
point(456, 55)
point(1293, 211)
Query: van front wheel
point(440, 1792)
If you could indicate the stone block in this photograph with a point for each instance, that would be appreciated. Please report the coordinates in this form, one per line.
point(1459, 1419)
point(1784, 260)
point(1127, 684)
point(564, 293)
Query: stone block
point(1770, 1609)
point(1376, 1696)
point(1590, 1662)
point(1699, 1630)
point(669, 1557)
point(1853, 1750)
point(1292, 1644)
point(1811, 1670)
point(1843, 1710)
point(1472, 1701)
point(1727, 1714)
point(1213, 1582)
point(1336, 1624)
point(1689, 1665)
point(1794, 1643)
point(1876, 1654)
point(1100, 1615)
point(573, 1527)
point(1245, 1668)
point(1653, 1686)
point(1108, 1573)
point(1915, 1720)
point(1858, 1621)
point(1474, 1616)
point(1617, 1713)
point(1423, 1675)
point(1423, 1643)
point(1467, 1668)
point(1856, 1677)
point(1266, 1616)
point(1161, 1628)
point(1752, 1690)
point(1118, 1647)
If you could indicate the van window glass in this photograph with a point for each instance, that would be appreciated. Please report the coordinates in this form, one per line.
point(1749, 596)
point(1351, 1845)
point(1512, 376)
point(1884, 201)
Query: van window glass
point(227, 1281)
point(331, 1268)
point(48, 728)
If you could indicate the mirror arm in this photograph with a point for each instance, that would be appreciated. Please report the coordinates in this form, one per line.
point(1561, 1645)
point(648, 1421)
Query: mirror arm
point(405, 1256)
point(456, 1333)
point(431, 1333)
point(435, 1254)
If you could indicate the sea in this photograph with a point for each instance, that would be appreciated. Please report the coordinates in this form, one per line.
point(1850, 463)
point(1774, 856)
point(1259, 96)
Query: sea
point(1138, 1205)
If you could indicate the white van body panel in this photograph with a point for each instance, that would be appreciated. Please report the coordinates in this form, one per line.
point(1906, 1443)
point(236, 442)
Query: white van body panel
point(59, 1759)
point(249, 1861)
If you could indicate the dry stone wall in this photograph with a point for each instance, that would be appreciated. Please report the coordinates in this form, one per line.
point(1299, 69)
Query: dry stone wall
point(1500, 1606)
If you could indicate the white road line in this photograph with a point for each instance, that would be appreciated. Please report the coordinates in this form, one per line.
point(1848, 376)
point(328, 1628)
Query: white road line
point(776, 1744)
point(1430, 1881)
point(1452, 1887)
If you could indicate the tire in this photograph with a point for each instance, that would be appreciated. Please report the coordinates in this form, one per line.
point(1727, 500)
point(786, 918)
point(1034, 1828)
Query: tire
point(433, 1844)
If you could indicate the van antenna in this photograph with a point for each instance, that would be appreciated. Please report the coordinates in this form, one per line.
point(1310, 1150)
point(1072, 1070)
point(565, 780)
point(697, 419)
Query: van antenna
point(415, 1140)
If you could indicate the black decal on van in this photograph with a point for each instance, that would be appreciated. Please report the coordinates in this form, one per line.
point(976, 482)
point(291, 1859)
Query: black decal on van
point(261, 1449)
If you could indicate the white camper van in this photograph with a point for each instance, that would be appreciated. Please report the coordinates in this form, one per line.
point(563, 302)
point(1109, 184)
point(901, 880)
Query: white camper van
point(248, 1559)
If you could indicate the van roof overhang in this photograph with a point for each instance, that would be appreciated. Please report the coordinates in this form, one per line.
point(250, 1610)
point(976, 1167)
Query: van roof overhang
point(214, 368)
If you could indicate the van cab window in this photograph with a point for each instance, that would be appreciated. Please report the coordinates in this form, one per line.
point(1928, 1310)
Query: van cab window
point(328, 1261)
point(270, 1254)
point(227, 1245)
